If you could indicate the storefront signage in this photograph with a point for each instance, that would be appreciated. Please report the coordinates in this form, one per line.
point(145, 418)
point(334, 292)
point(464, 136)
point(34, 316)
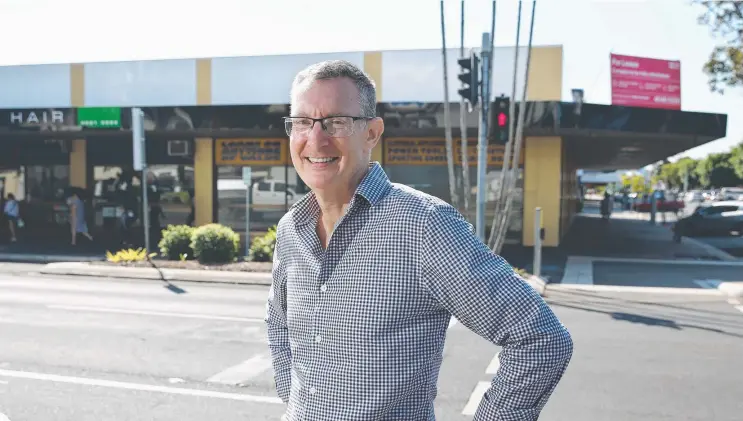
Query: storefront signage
point(99, 117)
point(35, 117)
point(413, 151)
point(256, 152)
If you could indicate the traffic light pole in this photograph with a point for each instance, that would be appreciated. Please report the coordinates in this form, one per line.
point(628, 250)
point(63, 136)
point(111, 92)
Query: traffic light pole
point(482, 141)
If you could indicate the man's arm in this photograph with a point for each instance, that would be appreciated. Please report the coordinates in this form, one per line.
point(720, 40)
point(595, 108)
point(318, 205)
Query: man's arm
point(278, 334)
point(482, 291)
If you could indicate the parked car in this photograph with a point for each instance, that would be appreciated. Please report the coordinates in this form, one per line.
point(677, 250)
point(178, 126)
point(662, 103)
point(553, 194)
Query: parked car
point(716, 218)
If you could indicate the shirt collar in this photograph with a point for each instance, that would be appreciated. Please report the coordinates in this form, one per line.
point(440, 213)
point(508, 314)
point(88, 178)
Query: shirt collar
point(373, 187)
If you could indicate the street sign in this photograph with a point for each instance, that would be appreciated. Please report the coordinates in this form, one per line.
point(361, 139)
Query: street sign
point(99, 117)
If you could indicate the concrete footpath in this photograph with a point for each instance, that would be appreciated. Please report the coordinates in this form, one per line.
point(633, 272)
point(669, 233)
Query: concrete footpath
point(187, 275)
point(158, 274)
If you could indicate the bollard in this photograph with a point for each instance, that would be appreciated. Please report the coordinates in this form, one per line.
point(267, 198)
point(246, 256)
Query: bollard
point(537, 269)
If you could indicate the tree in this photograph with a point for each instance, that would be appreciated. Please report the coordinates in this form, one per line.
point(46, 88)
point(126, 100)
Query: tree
point(716, 170)
point(736, 160)
point(635, 183)
point(674, 173)
point(725, 64)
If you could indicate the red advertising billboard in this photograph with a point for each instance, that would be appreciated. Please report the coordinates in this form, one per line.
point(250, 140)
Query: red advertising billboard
point(645, 82)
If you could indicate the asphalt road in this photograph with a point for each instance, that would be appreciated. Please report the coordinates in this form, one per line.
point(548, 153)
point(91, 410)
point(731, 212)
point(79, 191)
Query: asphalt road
point(644, 357)
point(78, 349)
point(93, 349)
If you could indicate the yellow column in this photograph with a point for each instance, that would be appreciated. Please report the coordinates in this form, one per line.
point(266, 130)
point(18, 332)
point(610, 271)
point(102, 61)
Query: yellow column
point(542, 180)
point(545, 74)
point(543, 157)
point(373, 67)
point(203, 181)
point(78, 150)
point(204, 151)
point(78, 164)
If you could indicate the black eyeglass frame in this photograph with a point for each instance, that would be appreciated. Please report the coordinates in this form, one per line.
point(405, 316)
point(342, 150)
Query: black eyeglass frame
point(322, 124)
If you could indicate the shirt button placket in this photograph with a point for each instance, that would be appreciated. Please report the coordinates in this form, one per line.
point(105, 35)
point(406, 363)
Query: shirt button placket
point(317, 337)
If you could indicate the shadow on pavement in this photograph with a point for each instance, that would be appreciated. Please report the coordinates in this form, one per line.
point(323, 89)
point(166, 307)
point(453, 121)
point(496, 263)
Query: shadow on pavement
point(678, 317)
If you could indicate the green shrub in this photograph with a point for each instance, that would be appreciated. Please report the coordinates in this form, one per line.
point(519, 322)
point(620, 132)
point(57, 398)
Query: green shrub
point(261, 249)
point(176, 242)
point(215, 243)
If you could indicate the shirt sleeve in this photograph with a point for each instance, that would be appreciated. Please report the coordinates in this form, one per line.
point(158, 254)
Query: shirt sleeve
point(278, 333)
point(483, 292)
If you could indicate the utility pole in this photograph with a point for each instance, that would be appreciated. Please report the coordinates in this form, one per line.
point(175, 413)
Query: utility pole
point(501, 194)
point(511, 177)
point(482, 141)
point(463, 111)
point(447, 119)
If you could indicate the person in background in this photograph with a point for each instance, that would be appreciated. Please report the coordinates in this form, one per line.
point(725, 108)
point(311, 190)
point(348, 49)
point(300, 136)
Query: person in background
point(78, 224)
point(606, 206)
point(12, 211)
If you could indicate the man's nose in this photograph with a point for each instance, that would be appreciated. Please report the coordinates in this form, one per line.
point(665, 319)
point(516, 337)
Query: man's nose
point(317, 135)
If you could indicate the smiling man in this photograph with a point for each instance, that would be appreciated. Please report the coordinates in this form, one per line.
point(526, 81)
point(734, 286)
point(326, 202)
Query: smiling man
point(368, 273)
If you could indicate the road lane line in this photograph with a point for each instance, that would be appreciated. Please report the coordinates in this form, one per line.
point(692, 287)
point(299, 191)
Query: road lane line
point(156, 313)
point(138, 387)
point(476, 398)
point(242, 372)
point(644, 290)
point(708, 283)
point(494, 364)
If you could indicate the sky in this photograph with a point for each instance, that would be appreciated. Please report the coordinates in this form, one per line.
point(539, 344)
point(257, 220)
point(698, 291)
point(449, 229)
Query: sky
point(53, 31)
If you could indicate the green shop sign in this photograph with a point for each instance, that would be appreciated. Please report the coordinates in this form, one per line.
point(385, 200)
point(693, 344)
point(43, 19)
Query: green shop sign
point(99, 117)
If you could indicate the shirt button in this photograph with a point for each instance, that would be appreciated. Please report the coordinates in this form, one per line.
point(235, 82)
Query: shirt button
point(323, 288)
point(318, 338)
point(313, 390)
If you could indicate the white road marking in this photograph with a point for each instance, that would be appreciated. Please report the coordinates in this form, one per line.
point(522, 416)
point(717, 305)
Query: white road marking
point(157, 313)
point(708, 283)
point(3, 382)
point(4, 417)
point(494, 364)
point(578, 270)
point(694, 262)
point(139, 387)
point(647, 290)
point(476, 398)
point(242, 372)
point(740, 308)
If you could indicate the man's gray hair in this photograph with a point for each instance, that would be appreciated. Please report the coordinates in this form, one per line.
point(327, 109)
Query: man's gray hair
point(332, 69)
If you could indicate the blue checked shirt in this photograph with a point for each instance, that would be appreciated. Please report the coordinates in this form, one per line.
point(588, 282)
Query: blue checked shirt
point(356, 331)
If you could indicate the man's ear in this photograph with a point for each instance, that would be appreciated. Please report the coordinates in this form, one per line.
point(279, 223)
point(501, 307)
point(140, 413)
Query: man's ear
point(375, 128)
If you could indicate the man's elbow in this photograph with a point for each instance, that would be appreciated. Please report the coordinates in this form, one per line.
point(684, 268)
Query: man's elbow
point(561, 345)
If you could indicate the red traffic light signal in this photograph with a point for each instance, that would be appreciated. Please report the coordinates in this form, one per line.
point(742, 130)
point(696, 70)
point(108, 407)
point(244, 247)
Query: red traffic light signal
point(502, 119)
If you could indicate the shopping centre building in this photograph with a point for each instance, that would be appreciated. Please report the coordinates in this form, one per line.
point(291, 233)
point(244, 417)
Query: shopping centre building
point(69, 125)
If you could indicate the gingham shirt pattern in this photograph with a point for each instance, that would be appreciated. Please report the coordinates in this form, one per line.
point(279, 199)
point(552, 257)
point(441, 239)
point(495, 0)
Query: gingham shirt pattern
point(356, 331)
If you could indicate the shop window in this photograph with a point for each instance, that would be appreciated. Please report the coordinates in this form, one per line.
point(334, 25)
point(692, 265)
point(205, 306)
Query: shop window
point(268, 197)
point(171, 189)
point(46, 183)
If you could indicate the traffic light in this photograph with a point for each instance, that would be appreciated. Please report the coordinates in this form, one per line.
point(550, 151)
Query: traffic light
point(470, 75)
point(502, 118)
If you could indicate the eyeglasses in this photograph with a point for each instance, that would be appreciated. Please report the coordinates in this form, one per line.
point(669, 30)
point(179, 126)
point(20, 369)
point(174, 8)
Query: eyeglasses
point(337, 126)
